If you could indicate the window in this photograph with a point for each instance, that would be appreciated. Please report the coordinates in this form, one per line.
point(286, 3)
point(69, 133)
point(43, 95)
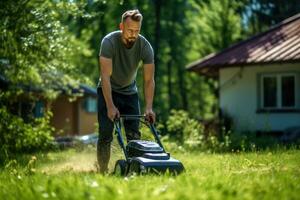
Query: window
point(269, 92)
point(90, 105)
point(288, 91)
point(278, 91)
point(38, 109)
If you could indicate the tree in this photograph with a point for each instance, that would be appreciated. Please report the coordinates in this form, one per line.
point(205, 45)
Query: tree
point(36, 51)
point(214, 26)
point(36, 48)
point(259, 15)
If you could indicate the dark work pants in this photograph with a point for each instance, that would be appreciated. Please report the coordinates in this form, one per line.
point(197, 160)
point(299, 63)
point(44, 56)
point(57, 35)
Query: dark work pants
point(126, 104)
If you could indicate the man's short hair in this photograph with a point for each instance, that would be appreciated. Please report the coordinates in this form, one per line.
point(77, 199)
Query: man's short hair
point(135, 15)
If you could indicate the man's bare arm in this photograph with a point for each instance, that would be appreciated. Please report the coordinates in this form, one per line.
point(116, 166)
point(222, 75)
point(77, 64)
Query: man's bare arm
point(149, 85)
point(106, 71)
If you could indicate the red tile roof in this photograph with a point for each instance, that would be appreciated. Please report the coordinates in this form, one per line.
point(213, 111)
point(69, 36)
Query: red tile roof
point(281, 43)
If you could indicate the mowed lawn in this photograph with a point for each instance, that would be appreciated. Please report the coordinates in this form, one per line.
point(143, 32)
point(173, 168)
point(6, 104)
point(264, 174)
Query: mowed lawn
point(72, 174)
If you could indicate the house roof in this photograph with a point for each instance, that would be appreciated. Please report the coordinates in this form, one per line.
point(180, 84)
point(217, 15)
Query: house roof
point(85, 89)
point(82, 89)
point(280, 44)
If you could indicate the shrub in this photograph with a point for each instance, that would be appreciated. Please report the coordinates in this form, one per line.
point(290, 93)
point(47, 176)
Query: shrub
point(185, 130)
point(249, 141)
point(17, 136)
point(176, 123)
point(188, 133)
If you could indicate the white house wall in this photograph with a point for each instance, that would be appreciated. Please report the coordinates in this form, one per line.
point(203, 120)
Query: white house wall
point(238, 98)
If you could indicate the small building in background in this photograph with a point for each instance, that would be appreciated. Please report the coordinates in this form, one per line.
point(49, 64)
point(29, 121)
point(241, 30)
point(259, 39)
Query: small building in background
point(75, 117)
point(259, 79)
point(73, 114)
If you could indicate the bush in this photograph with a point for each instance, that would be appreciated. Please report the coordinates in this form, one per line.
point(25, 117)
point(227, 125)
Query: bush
point(249, 141)
point(176, 124)
point(185, 130)
point(17, 136)
point(188, 133)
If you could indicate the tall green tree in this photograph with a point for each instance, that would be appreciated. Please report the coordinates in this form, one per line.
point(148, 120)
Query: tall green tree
point(35, 48)
point(215, 25)
point(36, 51)
point(259, 15)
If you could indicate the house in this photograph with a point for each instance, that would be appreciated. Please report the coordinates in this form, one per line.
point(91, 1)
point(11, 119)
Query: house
point(259, 79)
point(75, 117)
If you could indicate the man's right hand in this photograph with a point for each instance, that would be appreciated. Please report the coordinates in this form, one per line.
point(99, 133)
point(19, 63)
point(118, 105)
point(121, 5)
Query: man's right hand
point(113, 113)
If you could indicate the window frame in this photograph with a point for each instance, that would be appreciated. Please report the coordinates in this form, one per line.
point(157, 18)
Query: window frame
point(88, 106)
point(279, 107)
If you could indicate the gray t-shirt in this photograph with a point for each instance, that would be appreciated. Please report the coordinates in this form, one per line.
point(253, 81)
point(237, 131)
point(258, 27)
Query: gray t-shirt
point(125, 61)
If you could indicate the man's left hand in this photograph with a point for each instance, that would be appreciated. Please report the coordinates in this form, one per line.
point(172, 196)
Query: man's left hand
point(150, 115)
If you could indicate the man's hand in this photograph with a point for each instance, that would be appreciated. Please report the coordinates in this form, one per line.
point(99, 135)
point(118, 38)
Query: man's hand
point(113, 113)
point(150, 115)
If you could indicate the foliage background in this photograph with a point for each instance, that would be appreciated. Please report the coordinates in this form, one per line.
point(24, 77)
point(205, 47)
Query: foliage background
point(53, 43)
point(56, 42)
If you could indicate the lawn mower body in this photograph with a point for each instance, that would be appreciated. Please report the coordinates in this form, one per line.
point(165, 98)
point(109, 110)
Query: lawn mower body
point(145, 156)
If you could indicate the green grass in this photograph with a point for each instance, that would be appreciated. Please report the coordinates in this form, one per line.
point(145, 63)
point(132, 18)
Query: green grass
point(72, 174)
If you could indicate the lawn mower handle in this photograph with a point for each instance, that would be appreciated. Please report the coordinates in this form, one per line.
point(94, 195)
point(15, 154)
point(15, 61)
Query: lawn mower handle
point(135, 117)
point(118, 132)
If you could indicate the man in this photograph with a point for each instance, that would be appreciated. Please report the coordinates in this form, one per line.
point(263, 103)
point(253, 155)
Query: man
point(119, 57)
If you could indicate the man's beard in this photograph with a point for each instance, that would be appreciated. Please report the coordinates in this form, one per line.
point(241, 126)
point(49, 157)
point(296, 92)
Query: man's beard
point(130, 42)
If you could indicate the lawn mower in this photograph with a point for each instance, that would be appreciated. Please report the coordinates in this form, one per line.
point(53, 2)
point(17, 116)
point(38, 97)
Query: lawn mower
point(141, 156)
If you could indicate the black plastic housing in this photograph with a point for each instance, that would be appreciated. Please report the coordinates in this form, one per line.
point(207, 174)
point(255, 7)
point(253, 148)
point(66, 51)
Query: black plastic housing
point(137, 148)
